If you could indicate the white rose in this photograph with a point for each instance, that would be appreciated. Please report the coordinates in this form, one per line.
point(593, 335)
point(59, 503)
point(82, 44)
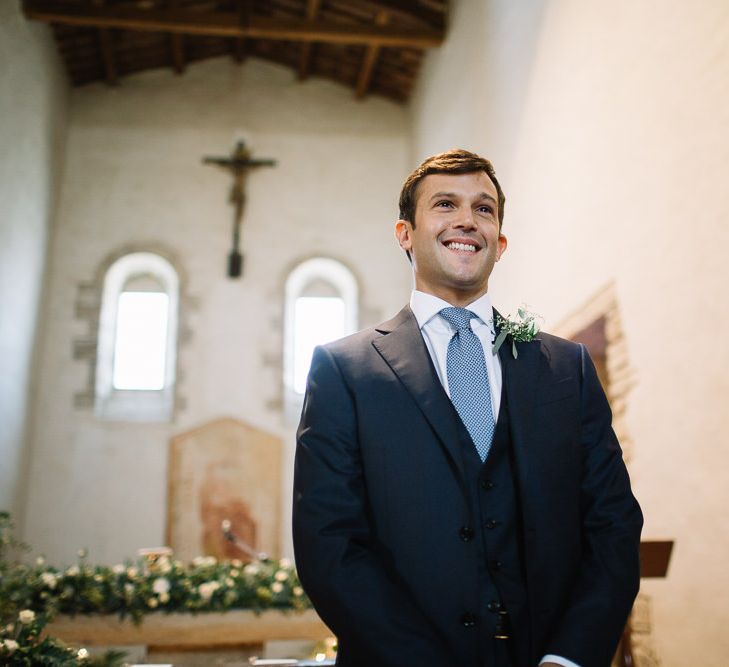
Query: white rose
point(152, 603)
point(284, 562)
point(10, 645)
point(276, 586)
point(132, 572)
point(251, 569)
point(234, 573)
point(237, 563)
point(48, 579)
point(26, 616)
point(129, 589)
point(229, 582)
point(98, 578)
point(207, 589)
point(72, 571)
point(298, 591)
point(164, 565)
point(40, 561)
point(161, 585)
point(164, 598)
point(82, 654)
point(118, 568)
point(281, 575)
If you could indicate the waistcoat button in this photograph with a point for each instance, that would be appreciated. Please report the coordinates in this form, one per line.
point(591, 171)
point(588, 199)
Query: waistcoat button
point(487, 484)
point(467, 533)
point(468, 619)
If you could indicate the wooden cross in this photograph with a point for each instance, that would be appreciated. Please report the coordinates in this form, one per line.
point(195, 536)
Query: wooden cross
point(239, 163)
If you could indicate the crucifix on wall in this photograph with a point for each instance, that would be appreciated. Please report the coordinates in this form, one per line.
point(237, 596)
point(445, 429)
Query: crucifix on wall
point(239, 163)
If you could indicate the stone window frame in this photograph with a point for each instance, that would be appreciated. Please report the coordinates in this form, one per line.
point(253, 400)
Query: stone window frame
point(306, 272)
point(96, 300)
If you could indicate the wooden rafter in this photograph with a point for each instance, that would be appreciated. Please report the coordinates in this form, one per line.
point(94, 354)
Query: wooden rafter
point(227, 24)
point(312, 9)
point(177, 46)
point(239, 45)
point(178, 53)
point(370, 59)
point(405, 9)
point(107, 56)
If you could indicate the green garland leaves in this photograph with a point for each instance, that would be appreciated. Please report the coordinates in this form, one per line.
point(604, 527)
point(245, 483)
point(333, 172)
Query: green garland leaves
point(32, 594)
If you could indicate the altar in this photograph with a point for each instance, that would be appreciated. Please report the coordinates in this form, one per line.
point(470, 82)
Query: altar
point(239, 632)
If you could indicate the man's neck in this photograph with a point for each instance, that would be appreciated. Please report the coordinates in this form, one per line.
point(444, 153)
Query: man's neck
point(456, 298)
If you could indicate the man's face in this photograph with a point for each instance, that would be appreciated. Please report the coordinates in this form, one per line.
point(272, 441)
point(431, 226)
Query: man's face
point(455, 240)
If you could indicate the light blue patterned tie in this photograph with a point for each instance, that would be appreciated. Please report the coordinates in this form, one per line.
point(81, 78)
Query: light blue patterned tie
point(468, 379)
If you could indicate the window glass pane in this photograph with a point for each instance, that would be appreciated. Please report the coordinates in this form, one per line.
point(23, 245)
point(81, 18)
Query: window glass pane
point(317, 320)
point(141, 340)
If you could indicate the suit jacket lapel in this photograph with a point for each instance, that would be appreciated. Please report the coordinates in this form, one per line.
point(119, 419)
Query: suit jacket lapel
point(521, 381)
point(404, 350)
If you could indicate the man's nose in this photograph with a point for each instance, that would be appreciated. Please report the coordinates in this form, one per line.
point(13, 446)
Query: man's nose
point(465, 220)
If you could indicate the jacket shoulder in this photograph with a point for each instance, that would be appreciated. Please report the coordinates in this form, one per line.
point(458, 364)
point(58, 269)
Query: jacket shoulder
point(361, 341)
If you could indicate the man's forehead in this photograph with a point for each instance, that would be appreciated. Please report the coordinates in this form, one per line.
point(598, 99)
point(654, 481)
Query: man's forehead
point(472, 184)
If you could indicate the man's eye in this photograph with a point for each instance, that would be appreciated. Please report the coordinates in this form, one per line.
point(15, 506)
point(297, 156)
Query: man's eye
point(486, 209)
point(445, 203)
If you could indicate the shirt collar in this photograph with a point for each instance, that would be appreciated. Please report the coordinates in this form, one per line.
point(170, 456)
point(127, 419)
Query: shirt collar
point(426, 306)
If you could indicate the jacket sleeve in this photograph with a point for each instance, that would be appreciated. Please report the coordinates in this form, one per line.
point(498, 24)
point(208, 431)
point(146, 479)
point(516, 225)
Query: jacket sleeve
point(609, 572)
point(340, 563)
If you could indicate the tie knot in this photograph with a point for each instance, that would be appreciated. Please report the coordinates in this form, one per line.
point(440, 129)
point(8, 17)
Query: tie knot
point(460, 318)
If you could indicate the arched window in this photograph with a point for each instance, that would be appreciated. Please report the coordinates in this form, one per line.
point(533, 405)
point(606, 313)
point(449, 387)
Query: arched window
point(321, 306)
point(137, 342)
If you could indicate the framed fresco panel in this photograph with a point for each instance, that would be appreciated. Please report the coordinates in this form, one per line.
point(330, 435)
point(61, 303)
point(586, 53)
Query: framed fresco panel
point(225, 470)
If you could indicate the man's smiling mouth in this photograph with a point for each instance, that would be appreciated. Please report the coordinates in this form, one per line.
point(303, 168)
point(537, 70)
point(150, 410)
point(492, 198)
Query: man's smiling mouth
point(455, 245)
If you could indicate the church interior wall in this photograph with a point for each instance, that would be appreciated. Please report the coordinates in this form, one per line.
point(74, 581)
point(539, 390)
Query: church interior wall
point(609, 130)
point(33, 97)
point(608, 125)
point(134, 177)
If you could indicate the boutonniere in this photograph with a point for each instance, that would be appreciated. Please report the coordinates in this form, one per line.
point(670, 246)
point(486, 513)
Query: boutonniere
point(523, 329)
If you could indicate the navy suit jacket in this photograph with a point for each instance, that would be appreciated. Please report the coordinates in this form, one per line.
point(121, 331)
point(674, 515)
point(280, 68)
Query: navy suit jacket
point(380, 495)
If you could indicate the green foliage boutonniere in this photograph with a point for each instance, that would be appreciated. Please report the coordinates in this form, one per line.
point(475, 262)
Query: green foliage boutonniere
point(521, 330)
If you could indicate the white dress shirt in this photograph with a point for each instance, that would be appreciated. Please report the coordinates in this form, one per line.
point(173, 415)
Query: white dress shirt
point(437, 333)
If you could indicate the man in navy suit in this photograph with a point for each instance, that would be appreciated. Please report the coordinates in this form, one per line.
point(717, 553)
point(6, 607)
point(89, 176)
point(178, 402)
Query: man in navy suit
point(429, 534)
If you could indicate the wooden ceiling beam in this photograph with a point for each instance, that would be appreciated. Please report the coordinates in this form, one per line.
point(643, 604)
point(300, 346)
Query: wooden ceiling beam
point(178, 53)
point(177, 46)
point(107, 56)
point(369, 61)
point(312, 9)
point(227, 24)
point(405, 9)
point(239, 45)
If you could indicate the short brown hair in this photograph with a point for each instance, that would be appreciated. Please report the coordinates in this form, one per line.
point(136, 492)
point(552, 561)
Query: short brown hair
point(455, 161)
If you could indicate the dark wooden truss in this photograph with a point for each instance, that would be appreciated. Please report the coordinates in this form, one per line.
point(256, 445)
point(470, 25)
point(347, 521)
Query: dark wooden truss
point(373, 46)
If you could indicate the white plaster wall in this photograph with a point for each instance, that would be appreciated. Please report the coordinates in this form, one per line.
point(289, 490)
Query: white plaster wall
point(133, 173)
point(32, 109)
point(608, 124)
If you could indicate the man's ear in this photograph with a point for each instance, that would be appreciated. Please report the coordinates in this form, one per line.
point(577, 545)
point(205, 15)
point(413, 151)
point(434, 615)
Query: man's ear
point(404, 234)
point(502, 246)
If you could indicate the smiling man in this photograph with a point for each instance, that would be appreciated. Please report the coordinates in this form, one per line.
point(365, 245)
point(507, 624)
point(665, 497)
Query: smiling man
point(454, 507)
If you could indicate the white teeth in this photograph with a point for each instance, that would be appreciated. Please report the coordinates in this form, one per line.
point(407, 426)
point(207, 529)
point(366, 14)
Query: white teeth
point(462, 246)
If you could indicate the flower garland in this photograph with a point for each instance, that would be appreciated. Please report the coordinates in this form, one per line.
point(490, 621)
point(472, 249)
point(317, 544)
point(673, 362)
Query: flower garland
point(32, 594)
point(134, 589)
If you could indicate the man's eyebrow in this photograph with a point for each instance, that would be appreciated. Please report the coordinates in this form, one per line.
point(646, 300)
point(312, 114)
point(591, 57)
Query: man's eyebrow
point(479, 196)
